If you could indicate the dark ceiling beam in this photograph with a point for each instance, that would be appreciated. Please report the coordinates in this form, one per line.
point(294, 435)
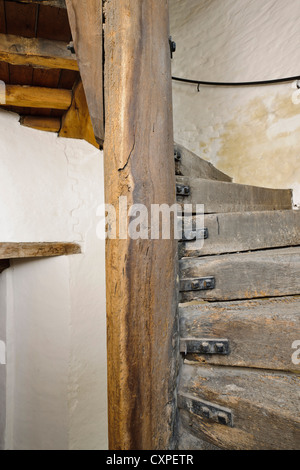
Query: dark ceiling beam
point(36, 52)
point(51, 3)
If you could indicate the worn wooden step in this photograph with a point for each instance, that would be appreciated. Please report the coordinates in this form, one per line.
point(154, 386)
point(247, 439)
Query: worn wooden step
point(187, 441)
point(269, 273)
point(188, 163)
point(219, 196)
point(245, 231)
point(264, 407)
point(261, 333)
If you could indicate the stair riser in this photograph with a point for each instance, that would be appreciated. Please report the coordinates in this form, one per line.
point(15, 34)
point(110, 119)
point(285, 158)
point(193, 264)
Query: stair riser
point(219, 197)
point(271, 273)
point(237, 232)
point(263, 405)
point(260, 332)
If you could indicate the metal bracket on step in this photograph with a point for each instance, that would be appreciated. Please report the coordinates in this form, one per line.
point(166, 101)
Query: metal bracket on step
point(202, 283)
point(182, 190)
point(204, 346)
point(205, 409)
point(177, 156)
point(193, 235)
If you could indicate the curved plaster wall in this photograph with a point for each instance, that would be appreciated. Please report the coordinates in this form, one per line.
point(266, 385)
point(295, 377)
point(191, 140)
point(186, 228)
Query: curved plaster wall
point(253, 133)
point(55, 331)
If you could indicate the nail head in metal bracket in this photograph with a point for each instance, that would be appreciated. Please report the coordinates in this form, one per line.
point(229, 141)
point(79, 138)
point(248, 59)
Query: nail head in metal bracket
point(204, 346)
point(172, 46)
point(71, 47)
point(182, 190)
point(177, 155)
point(205, 409)
point(203, 283)
point(192, 235)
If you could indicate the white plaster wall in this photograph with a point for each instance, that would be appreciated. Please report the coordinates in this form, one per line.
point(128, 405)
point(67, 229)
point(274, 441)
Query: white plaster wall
point(2, 364)
point(50, 189)
point(253, 133)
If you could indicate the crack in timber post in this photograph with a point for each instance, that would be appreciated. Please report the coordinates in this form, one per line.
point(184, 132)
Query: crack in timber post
point(129, 156)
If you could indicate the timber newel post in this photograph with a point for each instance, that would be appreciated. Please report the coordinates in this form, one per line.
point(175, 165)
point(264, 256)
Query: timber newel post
point(141, 274)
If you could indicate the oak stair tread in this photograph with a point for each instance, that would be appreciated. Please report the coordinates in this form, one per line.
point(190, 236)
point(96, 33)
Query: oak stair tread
point(249, 266)
point(264, 404)
point(257, 274)
point(220, 196)
point(260, 332)
point(244, 231)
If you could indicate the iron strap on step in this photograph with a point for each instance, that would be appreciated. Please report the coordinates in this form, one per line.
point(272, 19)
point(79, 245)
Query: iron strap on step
point(183, 190)
point(205, 409)
point(204, 346)
point(202, 283)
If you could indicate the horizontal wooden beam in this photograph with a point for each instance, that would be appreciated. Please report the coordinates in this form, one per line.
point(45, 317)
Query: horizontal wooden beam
point(50, 3)
point(41, 53)
point(37, 250)
point(41, 123)
point(36, 97)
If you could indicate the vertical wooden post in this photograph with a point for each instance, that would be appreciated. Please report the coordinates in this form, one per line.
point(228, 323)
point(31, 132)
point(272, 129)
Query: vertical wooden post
point(139, 164)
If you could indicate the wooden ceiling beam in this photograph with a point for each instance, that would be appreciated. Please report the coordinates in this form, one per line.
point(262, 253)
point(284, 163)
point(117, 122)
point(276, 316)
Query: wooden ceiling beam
point(50, 3)
point(40, 53)
point(37, 97)
point(41, 123)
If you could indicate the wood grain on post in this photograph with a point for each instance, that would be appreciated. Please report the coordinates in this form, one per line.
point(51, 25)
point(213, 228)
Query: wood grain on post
point(139, 164)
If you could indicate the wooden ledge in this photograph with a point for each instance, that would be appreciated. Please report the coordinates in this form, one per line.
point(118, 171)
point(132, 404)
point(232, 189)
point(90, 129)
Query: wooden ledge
point(37, 250)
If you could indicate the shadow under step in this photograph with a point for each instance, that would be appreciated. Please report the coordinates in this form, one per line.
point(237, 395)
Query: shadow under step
point(242, 231)
point(260, 333)
point(219, 196)
point(240, 409)
point(269, 273)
